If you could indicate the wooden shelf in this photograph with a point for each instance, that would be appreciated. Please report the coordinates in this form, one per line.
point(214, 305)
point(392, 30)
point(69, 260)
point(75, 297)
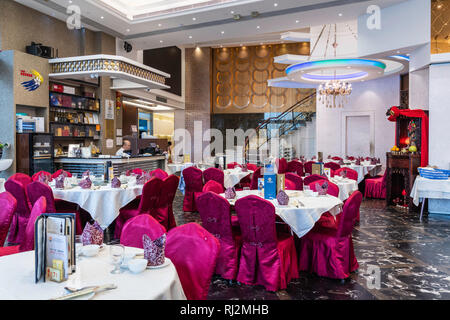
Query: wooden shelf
point(73, 124)
point(73, 95)
point(74, 109)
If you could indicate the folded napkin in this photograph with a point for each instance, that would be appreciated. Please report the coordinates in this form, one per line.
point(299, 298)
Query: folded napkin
point(282, 198)
point(59, 181)
point(85, 183)
point(43, 178)
point(128, 173)
point(92, 234)
point(341, 162)
point(230, 193)
point(358, 162)
point(373, 161)
point(343, 173)
point(154, 250)
point(329, 156)
point(244, 168)
point(87, 173)
point(115, 183)
point(378, 160)
point(322, 189)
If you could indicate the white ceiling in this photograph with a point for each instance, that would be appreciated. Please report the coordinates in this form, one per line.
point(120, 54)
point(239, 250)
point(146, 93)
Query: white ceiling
point(205, 22)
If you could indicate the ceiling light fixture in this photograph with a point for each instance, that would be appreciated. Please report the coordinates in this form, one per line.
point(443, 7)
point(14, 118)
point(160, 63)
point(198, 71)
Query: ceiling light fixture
point(297, 21)
point(102, 17)
point(275, 4)
point(340, 14)
point(257, 27)
point(194, 18)
point(159, 24)
point(222, 32)
point(190, 37)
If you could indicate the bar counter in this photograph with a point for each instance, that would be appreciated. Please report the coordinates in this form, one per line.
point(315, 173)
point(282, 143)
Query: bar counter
point(99, 166)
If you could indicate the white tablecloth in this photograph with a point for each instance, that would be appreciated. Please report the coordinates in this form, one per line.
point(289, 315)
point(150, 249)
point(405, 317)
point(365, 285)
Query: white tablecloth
point(2, 185)
point(233, 176)
point(17, 280)
point(430, 189)
point(103, 204)
point(346, 187)
point(301, 219)
point(365, 168)
point(178, 167)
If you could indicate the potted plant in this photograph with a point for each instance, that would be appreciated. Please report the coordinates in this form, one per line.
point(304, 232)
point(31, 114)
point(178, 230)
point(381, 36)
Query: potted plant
point(3, 145)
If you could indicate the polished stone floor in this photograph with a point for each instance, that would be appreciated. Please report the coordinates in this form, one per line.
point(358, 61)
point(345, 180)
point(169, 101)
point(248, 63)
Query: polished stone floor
point(412, 258)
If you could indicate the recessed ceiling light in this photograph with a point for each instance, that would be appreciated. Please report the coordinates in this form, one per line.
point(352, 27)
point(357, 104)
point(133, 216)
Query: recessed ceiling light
point(70, 1)
point(340, 14)
point(190, 37)
point(102, 17)
point(232, 12)
point(160, 41)
point(257, 27)
point(194, 18)
point(222, 32)
point(275, 4)
point(159, 24)
point(297, 21)
point(128, 30)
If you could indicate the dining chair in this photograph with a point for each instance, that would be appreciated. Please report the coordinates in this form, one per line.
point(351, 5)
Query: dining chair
point(163, 212)
point(136, 227)
point(252, 167)
point(20, 219)
point(282, 165)
point(215, 212)
point(213, 186)
point(351, 174)
point(159, 173)
point(59, 172)
point(326, 220)
point(295, 179)
point(307, 166)
point(193, 178)
point(336, 158)
point(233, 165)
point(39, 208)
point(296, 166)
point(255, 176)
point(194, 252)
point(267, 258)
point(36, 176)
point(314, 177)
point(213, 174)
point(8, 205)
point(330, 253)
point(332, 165)
point(23, 178)
point(376, 187)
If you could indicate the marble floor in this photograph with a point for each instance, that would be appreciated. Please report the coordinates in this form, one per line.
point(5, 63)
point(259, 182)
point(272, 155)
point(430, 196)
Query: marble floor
point(411, 257)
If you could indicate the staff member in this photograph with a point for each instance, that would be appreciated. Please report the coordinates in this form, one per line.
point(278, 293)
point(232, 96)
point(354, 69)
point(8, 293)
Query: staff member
point(125, 151)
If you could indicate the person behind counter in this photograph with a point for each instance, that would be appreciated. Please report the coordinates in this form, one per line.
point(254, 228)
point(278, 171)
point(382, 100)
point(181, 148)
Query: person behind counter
point(125, 151)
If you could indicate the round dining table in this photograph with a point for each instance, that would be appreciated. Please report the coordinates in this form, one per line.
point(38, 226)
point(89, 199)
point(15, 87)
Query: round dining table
point(233, 176)
point(364, 168)
point(302, 211)
point(17, 280)
point(346, 187)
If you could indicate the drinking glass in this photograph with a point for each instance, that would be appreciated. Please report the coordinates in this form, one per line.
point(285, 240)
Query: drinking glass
point(116, 252)
point(78, 246)
point(305, 187)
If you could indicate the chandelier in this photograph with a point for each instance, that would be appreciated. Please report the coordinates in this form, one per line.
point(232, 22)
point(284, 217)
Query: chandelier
point(334, 93)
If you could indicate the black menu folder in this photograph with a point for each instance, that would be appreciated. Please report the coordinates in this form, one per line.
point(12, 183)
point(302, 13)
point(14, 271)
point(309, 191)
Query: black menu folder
point(54, 236)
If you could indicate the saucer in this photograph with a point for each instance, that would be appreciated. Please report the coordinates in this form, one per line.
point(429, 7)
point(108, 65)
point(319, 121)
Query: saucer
point(165, 264)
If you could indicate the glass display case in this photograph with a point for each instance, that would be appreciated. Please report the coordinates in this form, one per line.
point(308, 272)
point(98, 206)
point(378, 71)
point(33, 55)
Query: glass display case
point(34, 152)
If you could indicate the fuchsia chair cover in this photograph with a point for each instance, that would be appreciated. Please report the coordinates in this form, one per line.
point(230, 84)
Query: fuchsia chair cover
point(147, 204)
point(215, 212)
point(20, 219)
point(376, 187)
point(314, 177)
point(252, 167)
point(232, 165)
point(193, 178)
point(164, 206)
point(282, 165)
point(36, 176)
point(331, 254)
point(266, 258)
point(256, 175)
point(333, 189)
point(307, 166)
point(295, 179)
point(337, 158)
point(138, 171)
point(295, 166)
point(60, 171)
point(23, 178)
point(194, 252)
point(8, 205)
point(136, 227)
point(39, 208)
point(289, 185)
point(37, 189)
point(212, 186)
point(351, 174)
point(326, 221)
point(159, 173)
point(332, 165)
point(213, 174)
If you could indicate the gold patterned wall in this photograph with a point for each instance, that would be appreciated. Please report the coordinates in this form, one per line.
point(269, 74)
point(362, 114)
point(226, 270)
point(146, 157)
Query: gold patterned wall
point(440, 26)
point(240, 74)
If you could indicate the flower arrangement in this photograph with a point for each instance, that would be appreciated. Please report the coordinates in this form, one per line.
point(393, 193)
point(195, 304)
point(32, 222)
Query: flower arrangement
point(3, 145)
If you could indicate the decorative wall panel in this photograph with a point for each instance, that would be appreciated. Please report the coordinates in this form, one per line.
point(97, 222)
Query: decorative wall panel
point(240, 77)
point(440, 26)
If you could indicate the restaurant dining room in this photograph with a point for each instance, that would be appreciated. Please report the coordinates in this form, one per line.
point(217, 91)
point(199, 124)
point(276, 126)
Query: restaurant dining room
point(249, 150)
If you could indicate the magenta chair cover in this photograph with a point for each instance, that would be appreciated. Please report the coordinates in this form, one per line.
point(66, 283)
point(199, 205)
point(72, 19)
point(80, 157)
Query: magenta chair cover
point(23, 178)
point(376, 187)
point(307, 166)
point(312, 178)
point(164, 206)
point(136, 227)
point(138, 171)
point(333, 189)
point(159, 173)
point(147, 204)
point(296, 166)
point(256, 175)
point(213, 186)
point(332, 165)
point(59, 172)
point(351, 174)
point(215, 213)
point(331, 254)
point(36, 176)
point(327, 220)
point(282, 165)
point(39, 208)
point(8, 206)
point(232, 165)
point(37, 189)
point(289, 185)
point(296, 179)
point(266, 258)
point(20, 219)
point(252, 167)
point(193, 179)
point(213, 174)
point(337, 158)
point(194, 252)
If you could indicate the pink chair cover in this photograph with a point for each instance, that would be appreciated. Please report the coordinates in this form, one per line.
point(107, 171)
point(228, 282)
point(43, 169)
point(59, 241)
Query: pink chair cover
point(36, 176)
point(39, 208)
point(232, 165)
point(213, 186)
point(289, 185)
point(193, 178)
point(20, 219)
point(252, 167)
point(282, 165)
point(215, 213)
point(136, 227)
point(351, 174)
point(60, 171)
point(327, 220)
point(159, 173)
point(296, 166)
point(256, 175)
point(307, 166)
point(164, 206)
point(314, 177)
point(194, 252)
point(266, 258)
point(138, 171)
point(337, 158)
point(37, 189)
point(213, 174)
point(331, 254)
point(333, 189)
point(8, 206)
point(296, 179)
point(376, 187)
point(332, 165)
point(23, 178)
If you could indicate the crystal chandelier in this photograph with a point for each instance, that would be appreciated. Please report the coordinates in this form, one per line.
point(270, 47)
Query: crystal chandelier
point(334, 93)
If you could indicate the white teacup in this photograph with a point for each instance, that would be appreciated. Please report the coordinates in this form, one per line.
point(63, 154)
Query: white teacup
point(137, 265)
point(90, 250)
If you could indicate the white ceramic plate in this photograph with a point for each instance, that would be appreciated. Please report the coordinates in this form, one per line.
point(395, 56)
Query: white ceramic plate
point(165, 264)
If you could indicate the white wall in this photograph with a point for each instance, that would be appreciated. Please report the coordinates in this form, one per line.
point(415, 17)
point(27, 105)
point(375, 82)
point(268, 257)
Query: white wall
point(419, 89)
point(136, 55)
point(371, 98)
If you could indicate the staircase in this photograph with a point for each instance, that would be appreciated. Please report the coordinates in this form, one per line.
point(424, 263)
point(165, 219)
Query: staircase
point(259, 146)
